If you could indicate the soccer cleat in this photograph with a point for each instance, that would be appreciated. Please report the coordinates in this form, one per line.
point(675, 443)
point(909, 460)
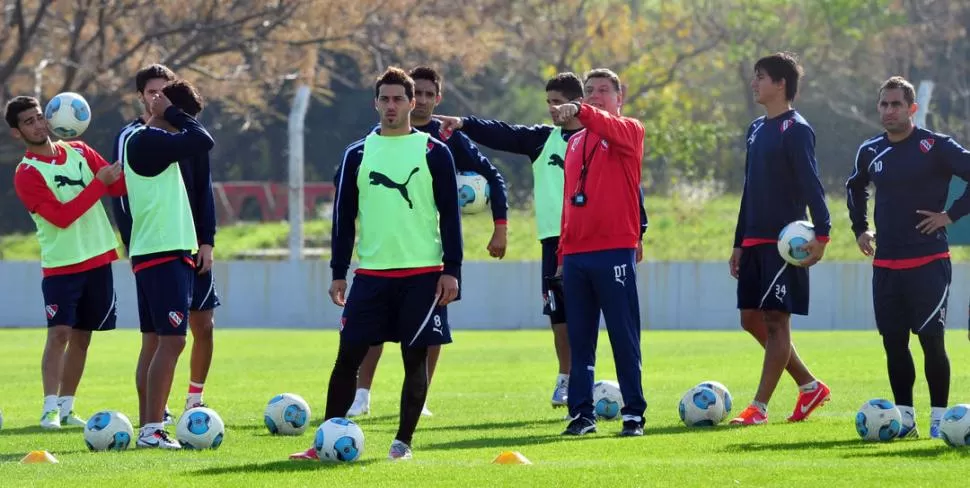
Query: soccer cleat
point(631, 428)
point(808, 401)
point(935, 429)
point(750, 416)
point(580, 426)
point(191, 403)
point(399, 450)
point(51, 419)
point(72, 419)
point(559, 394)
point(308, 455)
point(908, 432)
point(361, 406)
point(425, 412)
point(168, 419)
point(157, 439)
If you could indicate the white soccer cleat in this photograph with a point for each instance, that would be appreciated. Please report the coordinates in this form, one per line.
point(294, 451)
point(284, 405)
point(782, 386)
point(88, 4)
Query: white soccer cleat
point(72, 419)
point(399, 451)
point(425, 412)
point(559, 394)
point(361, 406)
point(156, 439)
point(51, 419)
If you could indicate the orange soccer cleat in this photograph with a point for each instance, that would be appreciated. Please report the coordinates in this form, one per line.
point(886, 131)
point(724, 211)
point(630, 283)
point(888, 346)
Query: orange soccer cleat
point(808, 401)
point(750, 416)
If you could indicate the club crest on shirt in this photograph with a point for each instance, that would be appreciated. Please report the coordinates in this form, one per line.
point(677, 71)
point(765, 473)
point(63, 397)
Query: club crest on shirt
point(786, 124)
point(925, 145)
point(430, 147)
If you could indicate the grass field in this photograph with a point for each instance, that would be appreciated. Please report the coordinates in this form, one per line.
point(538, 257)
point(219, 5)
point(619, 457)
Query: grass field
point(681, 229)
point(490, 394)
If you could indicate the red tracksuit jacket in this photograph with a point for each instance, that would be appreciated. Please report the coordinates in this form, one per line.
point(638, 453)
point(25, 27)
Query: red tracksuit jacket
point(614, 154)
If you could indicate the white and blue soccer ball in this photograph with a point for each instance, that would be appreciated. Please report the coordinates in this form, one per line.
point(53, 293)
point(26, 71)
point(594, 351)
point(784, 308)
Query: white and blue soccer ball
point(473, 192)
point(955, 426)
point(287, 414)
point(607, 399)
point(68, 115)
point(108, 430)
point(339, 440)
point(878, 420)
point(701, 407)
point(726, 399)
point(200, 428)
point(792, 237)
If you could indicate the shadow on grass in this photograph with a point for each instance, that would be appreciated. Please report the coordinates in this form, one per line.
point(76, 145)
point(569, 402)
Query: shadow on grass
point(854, 444)
point(36, 429)
point(283, 466)
point(933, 451)
point(493, 425)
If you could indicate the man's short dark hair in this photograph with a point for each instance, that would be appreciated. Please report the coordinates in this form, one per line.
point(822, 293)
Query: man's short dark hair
point(184, 96)
point(395, 76)
point(603, 73)
point(566, 83)
point(427, 73)
point(16, 106)
point(152, 72)
point(898, 82)
point(782, 66)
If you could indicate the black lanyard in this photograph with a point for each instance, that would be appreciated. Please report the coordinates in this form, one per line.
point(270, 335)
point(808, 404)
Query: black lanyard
point(584, 169)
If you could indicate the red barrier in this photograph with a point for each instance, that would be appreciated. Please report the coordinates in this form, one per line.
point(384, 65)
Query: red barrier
point(272, 199)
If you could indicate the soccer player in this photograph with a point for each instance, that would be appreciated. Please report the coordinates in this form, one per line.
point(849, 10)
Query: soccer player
point(399, 185)
point(61, 185)
point(163, 238)
point(911, 169)
point(545, 146)
point(467, 157)
point(198, 185)
point(781, 179)
point(598, 247)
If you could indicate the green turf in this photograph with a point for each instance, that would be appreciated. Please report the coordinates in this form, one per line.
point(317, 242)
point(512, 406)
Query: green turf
point(682, 228)
point(491, 393)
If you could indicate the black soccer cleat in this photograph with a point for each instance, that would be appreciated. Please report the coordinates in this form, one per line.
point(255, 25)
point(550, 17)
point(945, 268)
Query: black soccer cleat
point(580, 426)
point(631, 428)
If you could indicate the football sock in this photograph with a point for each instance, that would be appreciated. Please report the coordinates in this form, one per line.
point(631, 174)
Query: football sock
point(562, 379)
point(807, 387)
point(414, 392)
point(343, 379)
point(50, 403)
point(761, 406)
point(66, 404)
point(902, 371)
point(195, 388)
point(151, 427)
point(363, 393)
point(936, 415)
point(936, 365)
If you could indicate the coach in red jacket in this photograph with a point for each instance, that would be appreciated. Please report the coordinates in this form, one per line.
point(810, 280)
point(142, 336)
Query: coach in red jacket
point(598, 247)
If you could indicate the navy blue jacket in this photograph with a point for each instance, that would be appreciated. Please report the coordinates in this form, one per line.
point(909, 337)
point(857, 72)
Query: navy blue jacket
point(467, 157)
point(197, 175)
point(780, 179)
point(445, 187)
point(153, 150)
point(528, 141)
point(909, 175)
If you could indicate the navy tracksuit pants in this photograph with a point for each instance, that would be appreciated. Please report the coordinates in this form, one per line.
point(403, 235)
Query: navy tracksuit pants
point(594, 282)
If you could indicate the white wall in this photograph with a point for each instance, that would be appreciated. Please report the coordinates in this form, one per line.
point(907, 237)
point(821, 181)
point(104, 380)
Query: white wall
point(673, 295)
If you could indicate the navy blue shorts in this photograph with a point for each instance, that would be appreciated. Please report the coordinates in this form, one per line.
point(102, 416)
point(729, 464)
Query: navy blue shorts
point(84, 301)
point(381, 309)
point(164, 296)
point(768, 282)
point(204, 297)
point(911, 300)
point(553, 303)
